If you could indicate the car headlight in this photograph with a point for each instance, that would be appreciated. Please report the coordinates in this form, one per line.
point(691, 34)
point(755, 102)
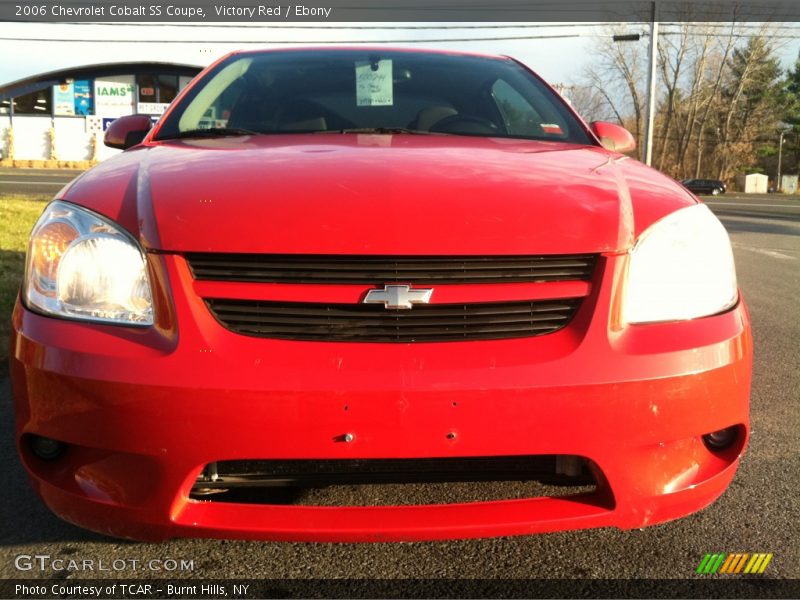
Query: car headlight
point(82, 266)
point(680, 268)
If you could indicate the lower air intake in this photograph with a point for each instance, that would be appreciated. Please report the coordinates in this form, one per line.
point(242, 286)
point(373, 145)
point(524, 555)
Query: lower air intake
point(393, 482)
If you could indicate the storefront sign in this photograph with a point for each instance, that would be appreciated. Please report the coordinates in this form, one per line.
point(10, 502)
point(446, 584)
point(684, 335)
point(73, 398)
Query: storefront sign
point(82, 90)
point(152, 108)
point(63, 100)
point(113, 96)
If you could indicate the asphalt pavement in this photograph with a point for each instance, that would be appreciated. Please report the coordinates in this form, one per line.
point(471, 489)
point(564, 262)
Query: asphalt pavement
point(35, 181)
point(760, 511)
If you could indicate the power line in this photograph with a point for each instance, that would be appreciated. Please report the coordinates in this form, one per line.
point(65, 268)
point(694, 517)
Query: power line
point(732, 25)
point(374, 42)
point(332, 27)
point(747, 35)
point(298, 42)
point(693, 25)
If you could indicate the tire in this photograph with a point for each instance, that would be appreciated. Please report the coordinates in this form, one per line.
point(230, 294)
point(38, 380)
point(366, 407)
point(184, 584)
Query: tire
point(715, 192)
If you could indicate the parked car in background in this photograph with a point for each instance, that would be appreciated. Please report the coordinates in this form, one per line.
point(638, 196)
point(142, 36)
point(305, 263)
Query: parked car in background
point(375, 270)
point(711, 187)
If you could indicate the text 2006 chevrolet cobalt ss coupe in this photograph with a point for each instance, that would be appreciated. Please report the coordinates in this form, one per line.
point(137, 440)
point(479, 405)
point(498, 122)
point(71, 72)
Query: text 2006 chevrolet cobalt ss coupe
point(371, 294)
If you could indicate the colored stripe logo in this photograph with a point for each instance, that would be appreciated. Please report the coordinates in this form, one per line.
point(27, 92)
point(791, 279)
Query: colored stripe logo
point(734, 563)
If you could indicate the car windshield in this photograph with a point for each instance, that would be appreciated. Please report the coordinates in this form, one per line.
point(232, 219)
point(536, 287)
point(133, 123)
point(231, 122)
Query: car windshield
point(357, 91)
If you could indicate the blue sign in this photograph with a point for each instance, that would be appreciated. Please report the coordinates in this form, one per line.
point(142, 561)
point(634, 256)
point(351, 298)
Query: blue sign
point(82, 90)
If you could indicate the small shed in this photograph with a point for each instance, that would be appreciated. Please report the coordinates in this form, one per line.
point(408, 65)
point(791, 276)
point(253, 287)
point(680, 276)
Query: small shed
point(789, 184)
point(754, 183)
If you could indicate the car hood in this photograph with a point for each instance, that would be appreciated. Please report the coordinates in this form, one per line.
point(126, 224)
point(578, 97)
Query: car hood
point(377, 194)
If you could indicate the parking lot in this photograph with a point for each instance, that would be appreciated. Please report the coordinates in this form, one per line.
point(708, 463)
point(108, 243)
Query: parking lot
point(759, 513)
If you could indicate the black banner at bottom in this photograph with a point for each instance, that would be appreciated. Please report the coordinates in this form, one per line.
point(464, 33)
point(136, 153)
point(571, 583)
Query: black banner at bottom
point(212, 589)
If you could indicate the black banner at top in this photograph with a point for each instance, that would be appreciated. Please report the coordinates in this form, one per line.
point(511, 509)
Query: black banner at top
point(407, 11)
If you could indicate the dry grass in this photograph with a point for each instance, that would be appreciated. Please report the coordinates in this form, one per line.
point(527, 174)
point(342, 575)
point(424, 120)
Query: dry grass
point(17, 217)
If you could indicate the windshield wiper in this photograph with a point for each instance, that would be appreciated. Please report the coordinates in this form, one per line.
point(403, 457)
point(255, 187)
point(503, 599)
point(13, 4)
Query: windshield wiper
point(383, 130)
point(210, 132)
point(234, 131)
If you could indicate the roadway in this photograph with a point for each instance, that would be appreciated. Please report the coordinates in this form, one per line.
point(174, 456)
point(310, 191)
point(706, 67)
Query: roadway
point(35, 181)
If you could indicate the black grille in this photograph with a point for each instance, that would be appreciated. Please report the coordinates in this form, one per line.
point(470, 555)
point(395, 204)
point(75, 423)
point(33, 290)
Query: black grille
point(395, 482)
point(287, 268)
point(309, 473)
point(374, 323)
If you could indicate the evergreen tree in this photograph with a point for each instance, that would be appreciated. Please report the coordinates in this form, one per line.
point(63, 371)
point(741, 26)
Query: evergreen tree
point(754, 100)
point(791, 117)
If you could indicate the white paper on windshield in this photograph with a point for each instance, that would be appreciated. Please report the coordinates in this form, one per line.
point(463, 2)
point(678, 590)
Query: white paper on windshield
point(374, 86)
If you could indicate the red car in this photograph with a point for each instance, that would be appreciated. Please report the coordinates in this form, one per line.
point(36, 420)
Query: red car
point(373, 294)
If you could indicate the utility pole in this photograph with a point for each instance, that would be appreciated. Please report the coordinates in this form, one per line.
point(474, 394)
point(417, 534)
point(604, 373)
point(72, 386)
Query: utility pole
point(651, 86)
point(778, 185)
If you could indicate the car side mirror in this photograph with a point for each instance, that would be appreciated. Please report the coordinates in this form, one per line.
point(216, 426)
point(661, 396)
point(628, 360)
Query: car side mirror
point(127, 131)
point(613, 137)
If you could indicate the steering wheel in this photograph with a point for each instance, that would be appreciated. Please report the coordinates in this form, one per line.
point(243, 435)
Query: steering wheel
point(464, 124)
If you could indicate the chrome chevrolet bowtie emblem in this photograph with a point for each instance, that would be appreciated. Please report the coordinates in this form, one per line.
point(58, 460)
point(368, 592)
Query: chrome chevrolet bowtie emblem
point(398, 296)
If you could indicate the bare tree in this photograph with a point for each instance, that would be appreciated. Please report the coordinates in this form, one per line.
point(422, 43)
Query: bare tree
point(617, 75)
point(727, 44)
point(672, 53)
point(694, 101)
point(591, 104)
point(718, 95)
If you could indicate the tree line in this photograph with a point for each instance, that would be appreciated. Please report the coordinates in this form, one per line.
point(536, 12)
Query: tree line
point(722, 99)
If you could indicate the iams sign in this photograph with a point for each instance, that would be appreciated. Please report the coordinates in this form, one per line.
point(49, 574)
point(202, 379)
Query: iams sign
point(124, 90)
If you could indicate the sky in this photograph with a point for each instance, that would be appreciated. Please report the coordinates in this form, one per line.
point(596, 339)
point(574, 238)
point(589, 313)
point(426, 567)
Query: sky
point(557, 59)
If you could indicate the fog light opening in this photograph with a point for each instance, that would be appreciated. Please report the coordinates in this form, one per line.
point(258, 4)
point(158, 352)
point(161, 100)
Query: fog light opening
point(46, 448)
point(719, 440)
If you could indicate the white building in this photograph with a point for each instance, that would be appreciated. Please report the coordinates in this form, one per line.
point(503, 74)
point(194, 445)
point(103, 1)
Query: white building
point(61, 116)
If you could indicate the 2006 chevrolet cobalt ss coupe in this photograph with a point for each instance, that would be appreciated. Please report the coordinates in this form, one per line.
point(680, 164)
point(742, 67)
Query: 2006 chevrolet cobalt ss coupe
point(371, 294)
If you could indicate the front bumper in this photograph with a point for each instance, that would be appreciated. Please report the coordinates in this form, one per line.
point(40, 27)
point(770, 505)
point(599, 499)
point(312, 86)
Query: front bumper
point(143, 411)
